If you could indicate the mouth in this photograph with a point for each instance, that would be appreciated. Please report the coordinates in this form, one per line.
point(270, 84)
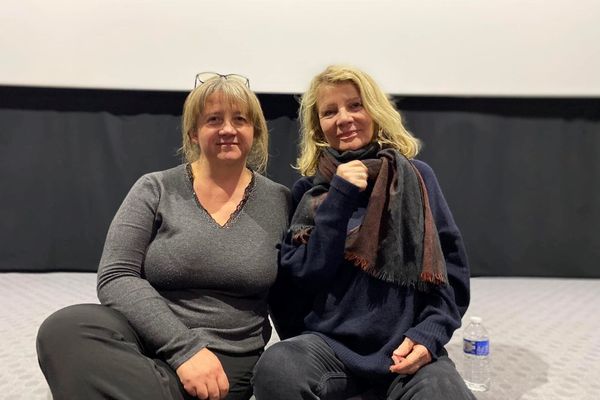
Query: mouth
point(347, 135)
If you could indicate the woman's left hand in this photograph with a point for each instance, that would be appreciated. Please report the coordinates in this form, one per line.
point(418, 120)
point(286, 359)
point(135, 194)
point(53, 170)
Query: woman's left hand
point(409, 357)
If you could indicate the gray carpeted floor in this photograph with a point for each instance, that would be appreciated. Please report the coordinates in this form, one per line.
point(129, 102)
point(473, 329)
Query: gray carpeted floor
point(544, 333)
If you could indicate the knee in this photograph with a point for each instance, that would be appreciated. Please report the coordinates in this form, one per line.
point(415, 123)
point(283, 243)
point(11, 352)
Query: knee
point(440, 379)
point(63, 327)
point(275, 363)
point(275, 371)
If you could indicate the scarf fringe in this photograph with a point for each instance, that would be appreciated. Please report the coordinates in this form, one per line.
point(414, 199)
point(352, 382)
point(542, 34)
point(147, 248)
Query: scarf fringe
point(360, 262)
point(301, 235)
point(405, 281)
point(426, 281)
point(433, 278)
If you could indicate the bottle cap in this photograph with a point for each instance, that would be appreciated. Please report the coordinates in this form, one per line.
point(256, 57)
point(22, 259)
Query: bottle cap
point(476, 320)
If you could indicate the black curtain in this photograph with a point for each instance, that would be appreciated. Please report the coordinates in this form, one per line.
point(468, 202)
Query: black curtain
point(521, 175)
point(525, 191)
point(65, 174)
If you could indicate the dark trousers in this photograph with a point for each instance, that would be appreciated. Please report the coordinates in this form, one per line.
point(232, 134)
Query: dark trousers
point(305, 367)
point(90, 351)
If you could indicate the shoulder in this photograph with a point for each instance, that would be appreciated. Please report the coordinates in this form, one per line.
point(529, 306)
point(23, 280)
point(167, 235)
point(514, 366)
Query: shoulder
point(439, 206)
point(167, 175)
point(154, 183)
point(271, 188)
point(429, 177)
point(272, 194)
point(424, 169)
point(267, 184)
point(271, 201)
point(300, 187)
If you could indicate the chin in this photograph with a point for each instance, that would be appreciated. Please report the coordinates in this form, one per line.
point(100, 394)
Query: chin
point(352, 146)
point(232, 158)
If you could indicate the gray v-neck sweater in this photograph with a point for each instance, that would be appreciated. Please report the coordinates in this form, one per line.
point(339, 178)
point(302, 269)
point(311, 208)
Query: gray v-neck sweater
point(183, 281)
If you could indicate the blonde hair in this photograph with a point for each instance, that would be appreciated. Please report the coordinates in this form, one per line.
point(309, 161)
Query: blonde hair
point(388, 126)
point(235, 92)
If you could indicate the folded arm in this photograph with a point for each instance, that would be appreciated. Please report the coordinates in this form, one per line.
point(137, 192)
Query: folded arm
point(121, 284)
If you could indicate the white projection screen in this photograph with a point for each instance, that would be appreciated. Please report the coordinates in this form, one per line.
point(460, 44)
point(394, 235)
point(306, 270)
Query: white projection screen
point(418, 47)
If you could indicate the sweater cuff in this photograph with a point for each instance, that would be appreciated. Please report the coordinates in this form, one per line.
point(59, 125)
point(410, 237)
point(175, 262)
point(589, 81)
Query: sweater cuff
point(185, 354)
point(429, 335)
point(344, 187)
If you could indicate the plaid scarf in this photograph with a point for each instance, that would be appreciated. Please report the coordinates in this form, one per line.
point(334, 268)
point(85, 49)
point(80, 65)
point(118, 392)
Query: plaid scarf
point(397, 240)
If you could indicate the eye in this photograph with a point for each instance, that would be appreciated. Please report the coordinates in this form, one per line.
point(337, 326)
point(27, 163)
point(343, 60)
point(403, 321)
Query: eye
point(328, 113)
point(356, 105)
point(241, 119)
point(213, 120)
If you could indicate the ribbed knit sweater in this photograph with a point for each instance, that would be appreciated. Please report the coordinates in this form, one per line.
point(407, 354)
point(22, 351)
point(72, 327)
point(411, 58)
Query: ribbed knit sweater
point(183, 281)
point(362, 318)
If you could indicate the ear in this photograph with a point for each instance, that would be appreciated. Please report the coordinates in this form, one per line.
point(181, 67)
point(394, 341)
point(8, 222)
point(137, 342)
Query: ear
point(193, 137)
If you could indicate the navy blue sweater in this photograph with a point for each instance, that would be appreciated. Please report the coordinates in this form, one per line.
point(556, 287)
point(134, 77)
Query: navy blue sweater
point(362, 318)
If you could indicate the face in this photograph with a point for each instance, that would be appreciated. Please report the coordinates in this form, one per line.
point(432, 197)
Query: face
point(225, 132)
point(344, 121)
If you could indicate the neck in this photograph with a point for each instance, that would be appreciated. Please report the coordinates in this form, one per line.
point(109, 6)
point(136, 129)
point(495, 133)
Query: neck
point(222, 174)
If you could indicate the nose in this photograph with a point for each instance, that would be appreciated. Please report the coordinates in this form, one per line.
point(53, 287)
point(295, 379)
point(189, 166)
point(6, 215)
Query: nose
point(344, 117)
point(227, 127)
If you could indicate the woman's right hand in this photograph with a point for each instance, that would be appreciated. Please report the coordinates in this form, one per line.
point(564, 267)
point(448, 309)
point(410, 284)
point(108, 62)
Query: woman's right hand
point(203, 376)
point(354, 172)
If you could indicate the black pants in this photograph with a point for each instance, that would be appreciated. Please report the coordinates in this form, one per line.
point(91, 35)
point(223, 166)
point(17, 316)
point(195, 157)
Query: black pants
point(305, 367)
point(90, 351)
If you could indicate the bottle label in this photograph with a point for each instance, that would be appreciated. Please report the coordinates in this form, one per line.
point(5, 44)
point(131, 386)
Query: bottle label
point(476, 347)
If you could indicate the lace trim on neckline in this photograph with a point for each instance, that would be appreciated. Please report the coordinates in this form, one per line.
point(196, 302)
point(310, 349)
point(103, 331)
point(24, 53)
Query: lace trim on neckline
point(238, 209)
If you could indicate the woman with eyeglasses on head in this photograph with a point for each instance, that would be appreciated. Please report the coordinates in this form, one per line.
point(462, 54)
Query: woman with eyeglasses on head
point(373, 276)
point(186, 268)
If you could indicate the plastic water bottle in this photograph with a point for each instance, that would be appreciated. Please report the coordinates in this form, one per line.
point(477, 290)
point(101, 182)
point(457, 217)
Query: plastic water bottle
point(476, 350)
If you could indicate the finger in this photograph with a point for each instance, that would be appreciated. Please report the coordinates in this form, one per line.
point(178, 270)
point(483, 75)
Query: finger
point(354, 163)
point(356, 166)
point(401, 369)
point(413, 362)
point(354, 179)
point(201, 391)
point(359, 167)
point(422, 354)
point(358, 163)
point(426, 357)
point(213, 390)
point(396, 359)
point(191, 390)
point(223, 383)
point(406, 366)
point(405, 348)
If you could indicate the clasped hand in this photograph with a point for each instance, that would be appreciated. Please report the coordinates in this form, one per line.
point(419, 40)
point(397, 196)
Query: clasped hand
point(203, 376)
point(409, 357)
point(354, 172)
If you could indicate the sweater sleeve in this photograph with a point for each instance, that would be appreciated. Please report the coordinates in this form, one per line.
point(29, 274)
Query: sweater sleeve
point(303, 269)
point(442, 308)
point(314, 264)
point(122, 286)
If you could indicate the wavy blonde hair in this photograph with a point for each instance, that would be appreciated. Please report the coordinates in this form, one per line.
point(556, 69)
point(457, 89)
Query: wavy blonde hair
point(387, 121)
point(236, 93)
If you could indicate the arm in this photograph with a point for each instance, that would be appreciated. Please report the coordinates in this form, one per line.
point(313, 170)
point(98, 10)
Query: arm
point(451, 240)
point(122, 286)
point(120, 279)
point(314, 264)
point(304, 268)
point(441, 309)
